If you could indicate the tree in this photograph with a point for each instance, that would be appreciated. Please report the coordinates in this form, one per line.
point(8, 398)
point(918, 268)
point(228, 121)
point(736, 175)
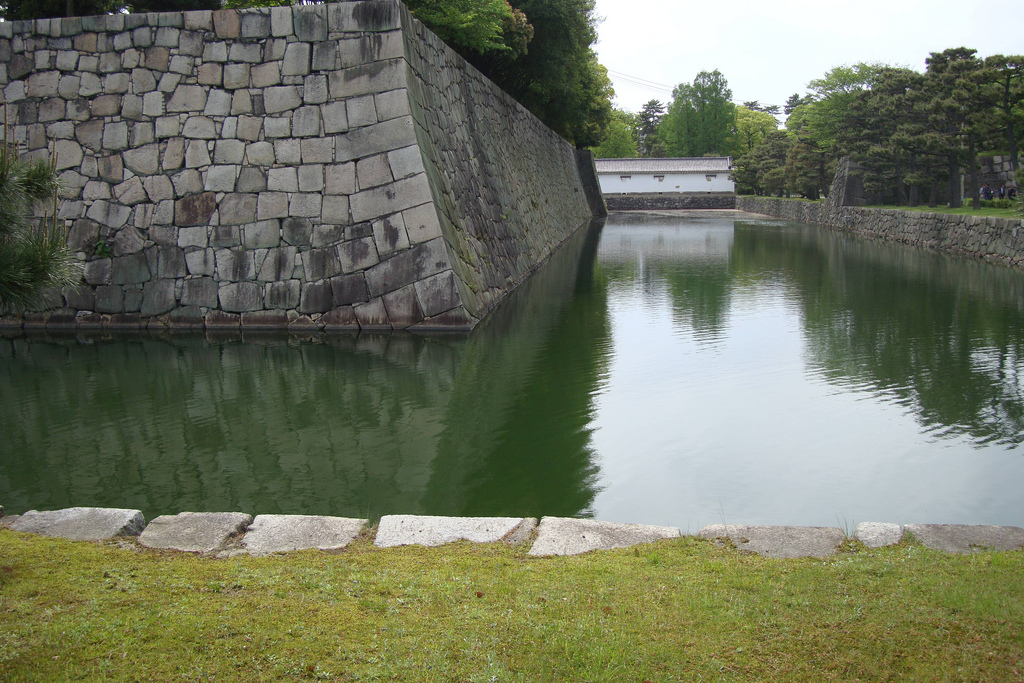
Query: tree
point(34, 257)
point(794, 101)
point(475, 25)
point(1006, 92)
point(700, 119)
point(647, 122)
point(754, 105)
point(619, 141)
point(14, 10)
point(763, 170)
point(558, 78)
point(752, 126)
point(952, 82)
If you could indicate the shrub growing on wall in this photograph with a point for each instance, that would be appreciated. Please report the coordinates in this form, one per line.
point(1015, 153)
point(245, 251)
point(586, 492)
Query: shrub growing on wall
point(34, 257)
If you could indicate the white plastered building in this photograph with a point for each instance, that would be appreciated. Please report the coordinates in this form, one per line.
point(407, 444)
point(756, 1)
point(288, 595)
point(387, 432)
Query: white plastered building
point(665, 176)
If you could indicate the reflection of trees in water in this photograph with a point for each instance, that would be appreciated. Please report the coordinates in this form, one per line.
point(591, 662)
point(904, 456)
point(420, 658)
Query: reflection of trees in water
point(943, 336)
point(495, 423)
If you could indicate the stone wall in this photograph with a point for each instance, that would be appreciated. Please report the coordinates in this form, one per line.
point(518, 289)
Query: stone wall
point(995, 239)
point(996, 171)
point(318, 167)
point(654, 202)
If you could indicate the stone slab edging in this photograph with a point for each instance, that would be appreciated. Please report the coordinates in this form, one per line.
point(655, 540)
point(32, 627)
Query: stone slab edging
point(227, 534)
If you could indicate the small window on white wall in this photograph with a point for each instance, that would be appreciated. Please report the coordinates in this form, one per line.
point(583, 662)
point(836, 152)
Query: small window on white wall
point(660, 178)
point(710, 177)
point(624, 178)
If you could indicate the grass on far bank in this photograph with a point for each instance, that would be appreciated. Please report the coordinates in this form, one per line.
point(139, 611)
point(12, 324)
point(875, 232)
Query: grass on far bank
point(964, 210)
point(681, 610)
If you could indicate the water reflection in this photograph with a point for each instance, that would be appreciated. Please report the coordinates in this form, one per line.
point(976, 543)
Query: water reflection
point(942, 336)
point(766, 372)
point(677, 370)
point(489, 424)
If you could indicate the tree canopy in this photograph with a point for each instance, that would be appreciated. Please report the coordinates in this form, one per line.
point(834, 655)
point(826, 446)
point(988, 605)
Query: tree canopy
point(916, 135)
point(620, 139)
point(699, 121)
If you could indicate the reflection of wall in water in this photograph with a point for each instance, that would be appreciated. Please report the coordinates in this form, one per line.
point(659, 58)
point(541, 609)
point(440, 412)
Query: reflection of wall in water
point(347, 426)
point(690, 260)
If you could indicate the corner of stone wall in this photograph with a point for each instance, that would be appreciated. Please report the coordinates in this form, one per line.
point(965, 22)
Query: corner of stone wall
point(507, 190)
point(321, 167)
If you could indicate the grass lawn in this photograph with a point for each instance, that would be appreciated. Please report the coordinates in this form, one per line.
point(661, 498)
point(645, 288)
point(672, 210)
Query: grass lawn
point(681, 610)
point(965, 210)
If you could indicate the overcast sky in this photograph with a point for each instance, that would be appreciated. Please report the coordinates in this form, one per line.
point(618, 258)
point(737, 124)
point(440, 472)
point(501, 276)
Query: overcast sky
point(770, 50)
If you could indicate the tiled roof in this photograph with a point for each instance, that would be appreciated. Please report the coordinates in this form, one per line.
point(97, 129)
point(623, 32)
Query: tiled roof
point(676, 165)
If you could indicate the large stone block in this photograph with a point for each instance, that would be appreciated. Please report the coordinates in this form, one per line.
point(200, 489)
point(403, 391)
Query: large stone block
point(261, 235)
point(237, 209)
point(279, 264)
point(438, 293)
point(201, 262)
point(320, 263)
point(282, 98)
point(239, 297)
point(200, 292)
point(396, 530)
point(255, 24)
point(358, 254)
point(260, 154)
point(195, 209)
point(349, 289)
point(407, 267)
point(306, 122)
point(335, 117)
point(157, 297)
point(372, 315)
point(81, 523)
point(568, 536)
point(403, 307)
point(143, 160)
point(170, 262)
point(133, 269)
point(109, 214)
point(316, 297)
point(194, 531)
point(310, 23)
point(296, 59)
point(235, 265)
point(341, 179)
point(388, 199)
point(187, 98)
point(130, 192)
point(376, 139)
point(282, 295)
point(297, 231)
point(389, 235)
point(965, 538)
point(373, 171)
point(779, 541)
point(284, 533)
point(109, 299)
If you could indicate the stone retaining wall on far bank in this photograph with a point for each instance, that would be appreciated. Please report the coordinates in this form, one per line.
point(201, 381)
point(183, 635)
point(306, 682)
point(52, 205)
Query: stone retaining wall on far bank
point(329, 166)
point(994, 239)
point(667, 201)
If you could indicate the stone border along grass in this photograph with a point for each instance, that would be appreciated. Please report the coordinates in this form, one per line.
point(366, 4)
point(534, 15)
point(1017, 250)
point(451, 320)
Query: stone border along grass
point(229, 534)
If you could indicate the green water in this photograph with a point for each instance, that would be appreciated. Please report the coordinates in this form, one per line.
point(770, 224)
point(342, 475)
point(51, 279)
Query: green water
point(679, 370)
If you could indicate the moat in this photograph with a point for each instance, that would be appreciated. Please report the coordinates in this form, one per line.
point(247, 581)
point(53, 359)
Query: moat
point(681, 370)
